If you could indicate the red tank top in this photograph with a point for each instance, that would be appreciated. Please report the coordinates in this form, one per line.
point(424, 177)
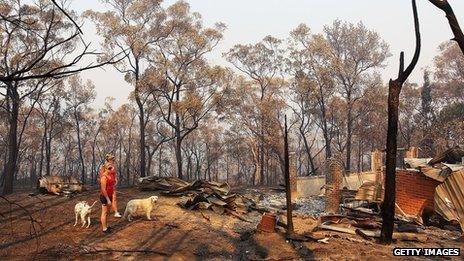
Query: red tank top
point(110, 179)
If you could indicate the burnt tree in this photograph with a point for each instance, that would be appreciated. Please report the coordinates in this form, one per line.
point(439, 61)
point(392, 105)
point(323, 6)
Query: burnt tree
point(37, 44)
point(394, 90)
point(287, 182)
point(452, 20)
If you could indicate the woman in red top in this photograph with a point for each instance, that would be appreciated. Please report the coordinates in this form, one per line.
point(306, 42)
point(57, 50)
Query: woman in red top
point(108, 180)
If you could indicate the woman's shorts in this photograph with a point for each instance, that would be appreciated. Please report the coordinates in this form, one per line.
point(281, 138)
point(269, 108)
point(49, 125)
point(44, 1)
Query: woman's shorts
point(103, 199)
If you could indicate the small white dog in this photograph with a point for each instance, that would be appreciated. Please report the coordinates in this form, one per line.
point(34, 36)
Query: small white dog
point(140, 206)
point(83, 209)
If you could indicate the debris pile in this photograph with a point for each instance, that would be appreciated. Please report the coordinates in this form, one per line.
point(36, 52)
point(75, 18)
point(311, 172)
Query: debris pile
point(442, 181)
point(200, 195)
point(448, 169)
point(59, 185)
point(366, 223)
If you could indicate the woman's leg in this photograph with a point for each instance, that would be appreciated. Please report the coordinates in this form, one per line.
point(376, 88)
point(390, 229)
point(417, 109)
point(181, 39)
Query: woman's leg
point(114, 205)
point(103, 217)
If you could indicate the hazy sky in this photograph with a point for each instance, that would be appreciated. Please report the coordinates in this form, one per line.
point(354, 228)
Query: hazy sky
point(248, 21)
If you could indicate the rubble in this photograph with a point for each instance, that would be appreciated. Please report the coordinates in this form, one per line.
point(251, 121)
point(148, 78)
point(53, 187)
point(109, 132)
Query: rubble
point(448, 169)
point(445, 174)
point(59, 185)
point(200, 195)
point(368, 233)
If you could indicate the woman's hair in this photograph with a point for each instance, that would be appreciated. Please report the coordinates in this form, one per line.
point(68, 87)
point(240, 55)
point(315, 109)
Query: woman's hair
point(109, 157)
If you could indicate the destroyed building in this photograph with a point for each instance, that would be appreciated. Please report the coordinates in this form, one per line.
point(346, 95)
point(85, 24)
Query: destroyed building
point(423, 185)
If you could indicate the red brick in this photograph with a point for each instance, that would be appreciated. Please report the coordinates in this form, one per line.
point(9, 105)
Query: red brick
point(414, 191)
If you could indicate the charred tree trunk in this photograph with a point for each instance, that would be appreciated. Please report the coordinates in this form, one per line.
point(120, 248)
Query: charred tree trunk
point(42, 148)
point(160, 166)
point(261, 160)
point(13, 148)
point(142, 136)
point(33, 172)
point(287, 182)
point(388, 205)
point(189, 167)
point(178, 152)
point(94, 158)
point(308, 153)
point(150, 160)
point(129, 153)
point(142, 124)
point(227, 168)
point(360, 157)
point(325, 127)
point(349, 134)
point(178, 148)
point(79, 145)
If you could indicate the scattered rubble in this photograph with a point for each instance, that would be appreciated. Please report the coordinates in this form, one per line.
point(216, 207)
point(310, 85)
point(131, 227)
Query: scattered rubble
point(200, 195)
point(361, 216)
point(59, 185)
point(448, 169)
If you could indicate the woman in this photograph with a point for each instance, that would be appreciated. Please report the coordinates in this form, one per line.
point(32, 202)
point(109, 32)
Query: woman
point(108, 180)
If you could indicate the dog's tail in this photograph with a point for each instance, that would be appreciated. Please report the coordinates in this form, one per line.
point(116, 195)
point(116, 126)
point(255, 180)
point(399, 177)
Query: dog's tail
point(93, 204)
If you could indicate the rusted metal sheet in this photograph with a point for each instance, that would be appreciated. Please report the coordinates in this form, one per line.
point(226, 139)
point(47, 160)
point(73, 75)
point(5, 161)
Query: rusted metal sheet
point(449, 198)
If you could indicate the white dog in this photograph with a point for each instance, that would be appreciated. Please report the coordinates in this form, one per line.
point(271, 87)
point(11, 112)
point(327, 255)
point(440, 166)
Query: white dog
point(83, 210)
point(138, 206)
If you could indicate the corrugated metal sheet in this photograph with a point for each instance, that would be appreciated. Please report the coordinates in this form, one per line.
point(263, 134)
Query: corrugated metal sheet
point(416, 162)
point(454, 167)
point(449, 198)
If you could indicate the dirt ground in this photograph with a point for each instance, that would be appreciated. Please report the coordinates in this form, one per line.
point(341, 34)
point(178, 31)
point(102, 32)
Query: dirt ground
point(173, 234)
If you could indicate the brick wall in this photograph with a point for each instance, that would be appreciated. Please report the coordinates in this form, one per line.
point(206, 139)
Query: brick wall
point(414, 191)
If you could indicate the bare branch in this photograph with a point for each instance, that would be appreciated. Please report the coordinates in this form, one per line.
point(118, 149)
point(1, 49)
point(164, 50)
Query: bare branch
point(402, 78)
point(452, 20)
point(67, 15)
